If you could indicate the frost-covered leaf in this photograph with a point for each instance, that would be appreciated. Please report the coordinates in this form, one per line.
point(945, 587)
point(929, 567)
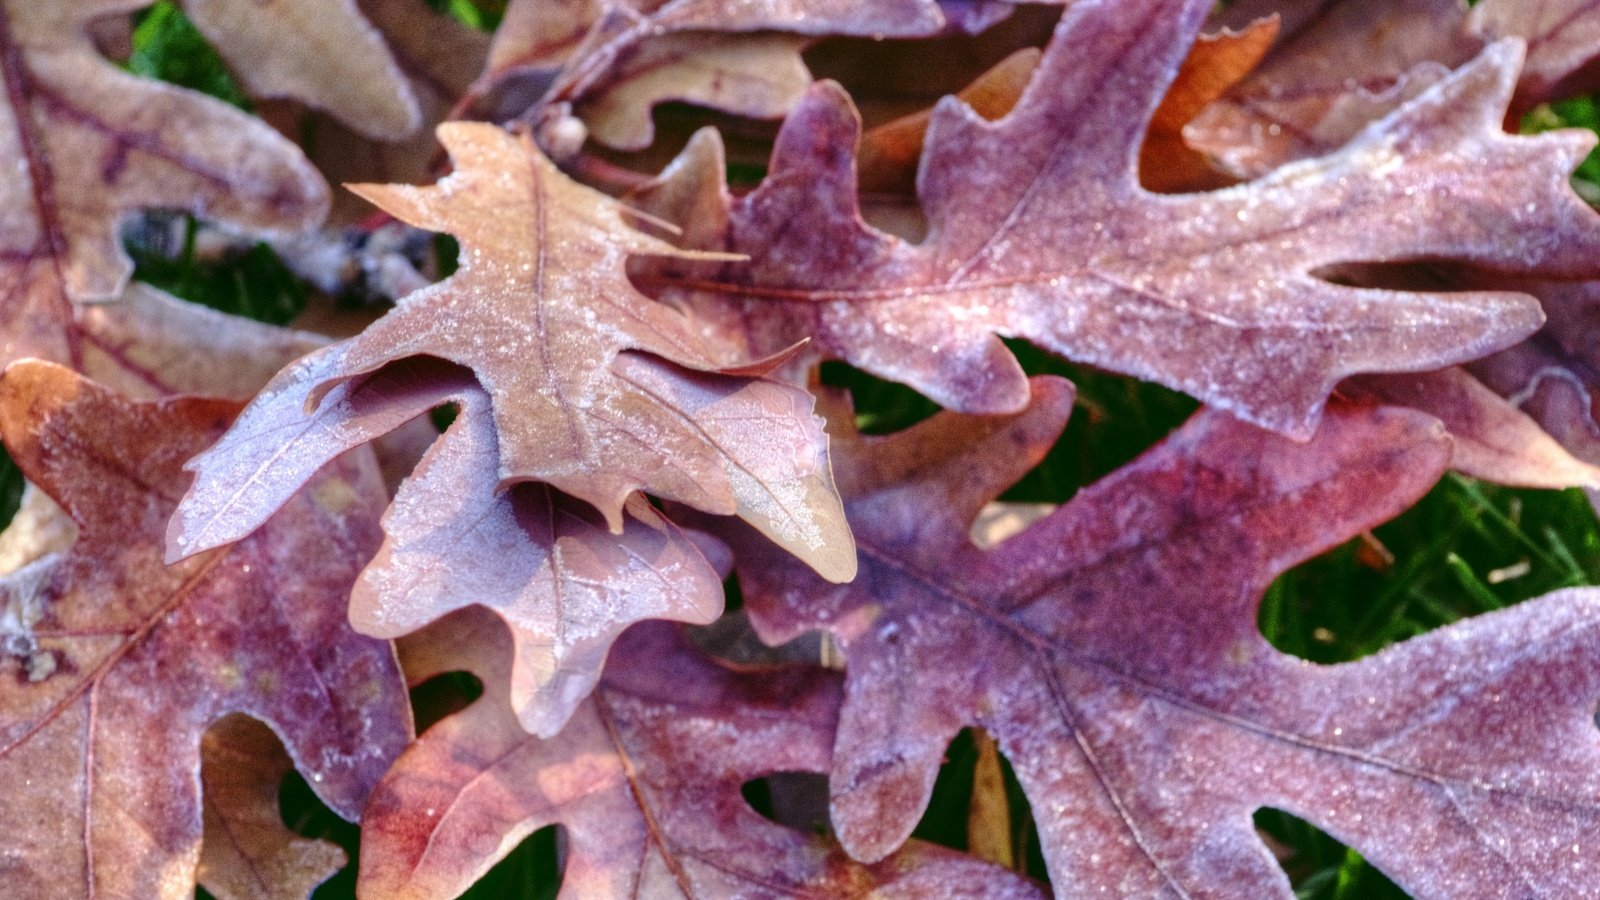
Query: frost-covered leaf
point(645, 780)
point(614, 61)
point(594, 389)
point(1039, 229)
point(1124, 677)
point(322, 52)
point(1563, 41)
point(129, 661)
point(89, 143)
point(1342, 65)
point(545, 562)
point(248, 853)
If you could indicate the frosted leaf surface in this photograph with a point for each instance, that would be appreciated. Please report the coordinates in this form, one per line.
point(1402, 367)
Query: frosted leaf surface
point(1039, 229)
point(1340, 66)
point(613, 62)
point(545, 563)
point(87, 144)
point(101, 747)
point(645, 780)
point(543, 315)
point(1125, 680)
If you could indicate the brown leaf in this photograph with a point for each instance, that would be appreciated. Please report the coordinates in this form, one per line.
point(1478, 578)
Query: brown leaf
point(544, 562)
point(1336, 68)
point(1118, 277)
point(1143, 713)
point(1494, 440)
point(613, 62)
point(440, 58)
point(1563, 41)
point(1216, 63)
point(247, 853)
point(645, 779)
point(890, 152)
point(102, 716)
point(594, 389)
point(1342, 65)
point(320, 51)
point(90, 144)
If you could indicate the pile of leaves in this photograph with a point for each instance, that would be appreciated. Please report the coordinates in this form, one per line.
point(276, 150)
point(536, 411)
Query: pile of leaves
point(667, 495)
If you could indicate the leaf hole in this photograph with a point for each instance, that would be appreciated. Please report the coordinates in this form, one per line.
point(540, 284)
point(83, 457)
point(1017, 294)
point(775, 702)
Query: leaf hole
point(1114, 419)
point(531, 871)
point(1319, 866)
point(443, 695)
point(797, 800)
point(949, 822)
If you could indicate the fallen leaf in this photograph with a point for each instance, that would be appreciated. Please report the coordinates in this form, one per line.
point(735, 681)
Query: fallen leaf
point(131, 661)
point(613, 62)
point(90, 144)
point(322, 52)
point(1124, 677)
point(1118, 277)
point(594, 389)
point(645, 780)
point(1563, 41)
point(1494, 440)
point(1342, 65)
point(1336, 68)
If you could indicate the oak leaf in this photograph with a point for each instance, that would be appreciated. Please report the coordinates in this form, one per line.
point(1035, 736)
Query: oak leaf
point(1039, 229)
point(544, 562)
point(1124, 678)
point(130, 660)
point(322, 52)
point(594, 389)
point(1340, 66)
point(612, 62)
point(90, 144)
point(645, 779)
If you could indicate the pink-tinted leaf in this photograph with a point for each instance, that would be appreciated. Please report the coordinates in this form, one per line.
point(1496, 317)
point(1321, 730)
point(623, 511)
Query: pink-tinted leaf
point(1563, 40)
point(645, 779)
point(130, 661)
point(1336, 68)
point(594, 388)
point(1494, 440)
point(1039, 229)
point(1345, 64)
point(612, 62)
point(545, 562)
point(89, 144)
point(1144, 714)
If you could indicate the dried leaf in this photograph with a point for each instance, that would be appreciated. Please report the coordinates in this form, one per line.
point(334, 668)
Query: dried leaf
point(1494, 440)
point(645, 780)
point(613, 62)
point(1563, 40)
point(247, 853)
point(595, 389)
point(1336, 68)
point(440, 58)
point(1143, 713)
point(544, 562)
point(1118, 277)
point(95, 143)
point(320, 51)
point(131, 661)
point(1340, 66)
